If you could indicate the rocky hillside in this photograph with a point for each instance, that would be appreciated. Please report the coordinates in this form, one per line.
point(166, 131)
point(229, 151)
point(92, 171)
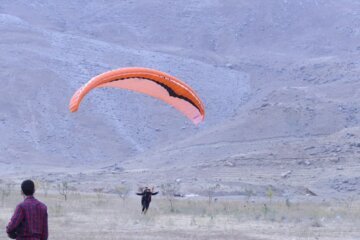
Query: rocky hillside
point(279, 79)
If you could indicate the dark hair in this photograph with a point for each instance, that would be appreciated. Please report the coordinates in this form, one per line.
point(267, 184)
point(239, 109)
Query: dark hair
point(28, 187)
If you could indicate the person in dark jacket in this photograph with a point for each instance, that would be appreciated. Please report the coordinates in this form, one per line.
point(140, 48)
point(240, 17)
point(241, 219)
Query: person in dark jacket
point(30, 219)
point(146, 198)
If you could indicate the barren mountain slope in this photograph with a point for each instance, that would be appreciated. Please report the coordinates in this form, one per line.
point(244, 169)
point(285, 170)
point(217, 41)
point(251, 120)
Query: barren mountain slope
point(279, 80)
point(43, 67)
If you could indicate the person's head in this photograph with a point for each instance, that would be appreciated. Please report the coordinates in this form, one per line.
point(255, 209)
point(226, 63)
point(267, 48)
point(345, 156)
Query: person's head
point(28, 187)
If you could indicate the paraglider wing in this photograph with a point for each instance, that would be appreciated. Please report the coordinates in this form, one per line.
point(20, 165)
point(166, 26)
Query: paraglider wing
point(151, 82)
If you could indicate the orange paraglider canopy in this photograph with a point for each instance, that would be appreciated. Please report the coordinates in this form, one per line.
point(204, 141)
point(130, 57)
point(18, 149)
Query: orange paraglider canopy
point(151, 82)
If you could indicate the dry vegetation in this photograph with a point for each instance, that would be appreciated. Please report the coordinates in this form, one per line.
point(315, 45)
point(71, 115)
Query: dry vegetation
point(106, 216)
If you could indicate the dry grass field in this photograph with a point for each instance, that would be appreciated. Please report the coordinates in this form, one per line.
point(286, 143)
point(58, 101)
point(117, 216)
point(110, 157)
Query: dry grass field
point(106, 216)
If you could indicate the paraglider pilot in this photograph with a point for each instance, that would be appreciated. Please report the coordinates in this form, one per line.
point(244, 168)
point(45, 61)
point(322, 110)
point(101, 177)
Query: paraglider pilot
point(146, 198)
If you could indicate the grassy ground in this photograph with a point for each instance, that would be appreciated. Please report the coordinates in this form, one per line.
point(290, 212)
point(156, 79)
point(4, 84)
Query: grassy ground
point(105, 216)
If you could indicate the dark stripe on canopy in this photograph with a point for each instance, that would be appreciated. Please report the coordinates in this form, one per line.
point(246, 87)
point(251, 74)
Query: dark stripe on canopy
point(171, 92)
